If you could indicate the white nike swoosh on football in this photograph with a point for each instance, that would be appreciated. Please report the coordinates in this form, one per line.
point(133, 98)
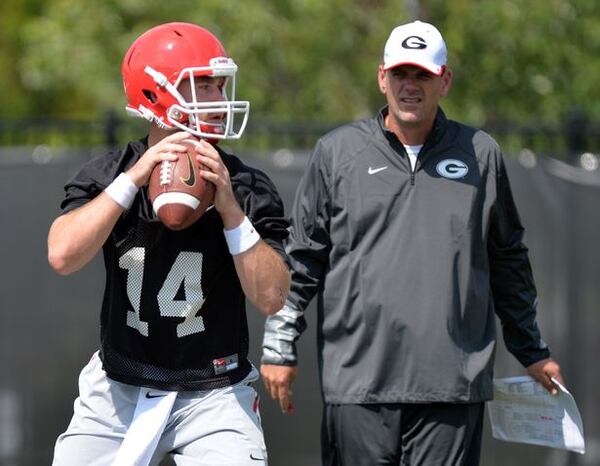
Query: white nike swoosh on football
point(372, 171)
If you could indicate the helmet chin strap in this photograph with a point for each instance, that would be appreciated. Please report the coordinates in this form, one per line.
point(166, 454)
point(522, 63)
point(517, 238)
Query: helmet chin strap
point(207, 126)
point(206, 129)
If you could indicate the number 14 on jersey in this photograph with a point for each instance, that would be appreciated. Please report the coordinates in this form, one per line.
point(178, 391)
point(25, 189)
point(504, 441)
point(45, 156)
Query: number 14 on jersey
point(186, 270)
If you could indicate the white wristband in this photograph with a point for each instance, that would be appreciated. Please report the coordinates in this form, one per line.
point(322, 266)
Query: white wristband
point(241, 238)
point(122, 190)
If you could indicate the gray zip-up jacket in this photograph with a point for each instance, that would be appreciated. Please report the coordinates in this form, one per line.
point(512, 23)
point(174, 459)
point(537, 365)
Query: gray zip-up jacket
point(409, 267)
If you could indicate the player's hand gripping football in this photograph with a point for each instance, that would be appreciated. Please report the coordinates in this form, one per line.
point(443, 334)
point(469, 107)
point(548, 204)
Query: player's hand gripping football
point(215, 171)
point(278, 381)
point(165, 149)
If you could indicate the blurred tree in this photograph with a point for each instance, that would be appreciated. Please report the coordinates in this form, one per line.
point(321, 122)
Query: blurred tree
point(309, 59)
point(14, 98)
point(522, 61)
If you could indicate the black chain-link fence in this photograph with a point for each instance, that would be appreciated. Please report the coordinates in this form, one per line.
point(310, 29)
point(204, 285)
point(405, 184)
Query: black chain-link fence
point(575, 137)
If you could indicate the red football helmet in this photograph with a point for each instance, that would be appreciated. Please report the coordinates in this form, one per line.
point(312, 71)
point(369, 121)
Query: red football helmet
point(156, 64)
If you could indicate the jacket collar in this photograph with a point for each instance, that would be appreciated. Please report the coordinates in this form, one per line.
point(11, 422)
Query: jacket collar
point(439, 127)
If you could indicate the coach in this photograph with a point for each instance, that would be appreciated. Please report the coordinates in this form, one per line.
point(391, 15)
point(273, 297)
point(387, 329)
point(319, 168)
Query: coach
point(404, 224)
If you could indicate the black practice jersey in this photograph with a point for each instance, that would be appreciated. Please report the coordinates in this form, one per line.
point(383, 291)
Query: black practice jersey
point(173, 314)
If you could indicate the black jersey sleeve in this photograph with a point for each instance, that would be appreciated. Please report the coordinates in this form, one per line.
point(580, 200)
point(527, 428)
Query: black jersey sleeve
point(90, 180)
point(99, 172)
point(261, 203)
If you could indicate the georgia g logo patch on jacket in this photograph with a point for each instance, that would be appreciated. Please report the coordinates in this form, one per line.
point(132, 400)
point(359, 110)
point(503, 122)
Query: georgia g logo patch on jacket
point(452, 169)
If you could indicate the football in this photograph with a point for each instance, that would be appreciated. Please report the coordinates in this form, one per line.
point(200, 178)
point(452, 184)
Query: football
point(178, 193)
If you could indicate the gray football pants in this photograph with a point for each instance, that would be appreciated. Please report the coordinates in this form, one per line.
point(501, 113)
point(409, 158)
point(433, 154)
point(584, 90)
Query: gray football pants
point(212, 427)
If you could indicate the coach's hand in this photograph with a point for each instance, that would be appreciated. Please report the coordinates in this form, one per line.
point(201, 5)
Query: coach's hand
point(543, 371)
point(278, 381)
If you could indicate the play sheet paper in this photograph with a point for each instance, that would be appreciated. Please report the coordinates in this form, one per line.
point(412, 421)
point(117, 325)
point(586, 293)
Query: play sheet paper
point(523, 411)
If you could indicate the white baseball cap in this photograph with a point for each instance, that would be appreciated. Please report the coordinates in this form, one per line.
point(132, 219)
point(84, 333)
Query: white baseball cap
point(419, 44)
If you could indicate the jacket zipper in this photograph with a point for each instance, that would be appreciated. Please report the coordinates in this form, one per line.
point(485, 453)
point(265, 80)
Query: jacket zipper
point(413, 170)
point(400, 148)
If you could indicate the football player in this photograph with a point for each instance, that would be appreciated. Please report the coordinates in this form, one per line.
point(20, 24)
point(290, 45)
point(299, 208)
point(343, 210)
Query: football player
point(171, 377)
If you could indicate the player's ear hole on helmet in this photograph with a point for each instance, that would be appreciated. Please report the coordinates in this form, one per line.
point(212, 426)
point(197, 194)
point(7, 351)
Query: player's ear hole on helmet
point(151, 96)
